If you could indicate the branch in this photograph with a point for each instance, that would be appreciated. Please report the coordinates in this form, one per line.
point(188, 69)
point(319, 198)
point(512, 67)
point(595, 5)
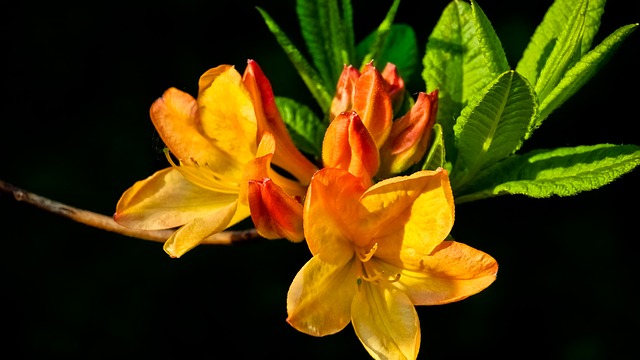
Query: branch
point(107, 223)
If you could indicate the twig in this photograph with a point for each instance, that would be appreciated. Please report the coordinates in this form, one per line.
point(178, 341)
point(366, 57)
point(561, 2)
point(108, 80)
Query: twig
point(107, 223)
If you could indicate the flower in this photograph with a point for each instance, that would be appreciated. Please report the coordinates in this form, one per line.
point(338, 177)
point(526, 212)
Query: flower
point(377, 253)
point(222, 140)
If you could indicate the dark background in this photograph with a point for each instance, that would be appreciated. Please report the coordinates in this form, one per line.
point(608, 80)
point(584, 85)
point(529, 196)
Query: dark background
point(78, 80)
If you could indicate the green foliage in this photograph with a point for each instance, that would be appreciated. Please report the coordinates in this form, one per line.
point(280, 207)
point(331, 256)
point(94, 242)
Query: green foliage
point(492, 126)
point(561, 171)
point(486, 108)
point(305, 127)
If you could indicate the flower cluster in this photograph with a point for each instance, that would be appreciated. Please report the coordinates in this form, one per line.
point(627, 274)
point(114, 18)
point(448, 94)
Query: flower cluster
point(378, 236)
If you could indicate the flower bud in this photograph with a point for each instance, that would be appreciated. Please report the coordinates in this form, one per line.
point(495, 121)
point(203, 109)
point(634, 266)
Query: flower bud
point(410, 136)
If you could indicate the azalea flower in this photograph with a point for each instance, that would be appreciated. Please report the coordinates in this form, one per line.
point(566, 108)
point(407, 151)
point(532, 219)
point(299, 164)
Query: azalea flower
point(377, 253)
point(379, 250)
point(222, 140)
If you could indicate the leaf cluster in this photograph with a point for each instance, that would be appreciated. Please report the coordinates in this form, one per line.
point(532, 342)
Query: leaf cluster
point(487, 109)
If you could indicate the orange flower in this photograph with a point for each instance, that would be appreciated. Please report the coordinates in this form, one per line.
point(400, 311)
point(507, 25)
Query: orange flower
point(378, 252)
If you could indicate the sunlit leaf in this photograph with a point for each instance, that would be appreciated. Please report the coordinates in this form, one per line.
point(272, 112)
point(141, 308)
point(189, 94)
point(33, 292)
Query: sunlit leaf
point(562, 172)
point(492, 126)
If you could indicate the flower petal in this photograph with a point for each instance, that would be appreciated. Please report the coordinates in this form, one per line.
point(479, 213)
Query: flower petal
point(386, 322)
point(195, 231)
point(373, 104)
point(410, 136)
point(166, 200)
point(275, 214)
point(394, 85)
point(348, 145)
point(330, 212)
point(408, 216)
point(227, 116)
point(287, 155)
point(453, 272)
point(345, 91)
point(176, 118)
point(319, 298)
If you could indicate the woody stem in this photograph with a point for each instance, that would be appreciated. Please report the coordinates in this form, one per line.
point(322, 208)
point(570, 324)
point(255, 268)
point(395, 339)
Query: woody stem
point(107, 223)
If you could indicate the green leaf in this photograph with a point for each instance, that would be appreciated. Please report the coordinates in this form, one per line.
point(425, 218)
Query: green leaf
point(546, 34)
point(304, 126)
point(313, 19)
point(454, 64)
point(308, 74)
point(582, 72)
point(562, 172)
point(492, 126)
point(381, 34)
point(400, 48)
point(436, 156)
point(565, 53)
point(490, 45)
point(328, 35)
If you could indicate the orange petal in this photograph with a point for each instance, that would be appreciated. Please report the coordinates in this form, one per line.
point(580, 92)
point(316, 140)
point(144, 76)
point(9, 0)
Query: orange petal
point(345, 91)
point(373, 104)
point(348, 145)
point(394, 85)
point(331, 211)
point(410, 136)
point(269, 119)
point(453, 272)
point(275, 214)
point(260, 168)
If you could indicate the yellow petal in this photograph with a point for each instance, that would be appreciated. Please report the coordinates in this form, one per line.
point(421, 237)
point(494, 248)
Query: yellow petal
point(167, 200)
point(408, 216)
point(330, 214)
point(319, 298)
point(227, 116)
point(176, 118)
point(209, 76)
point(386, 322)
point(453, 272)
point(190, 235)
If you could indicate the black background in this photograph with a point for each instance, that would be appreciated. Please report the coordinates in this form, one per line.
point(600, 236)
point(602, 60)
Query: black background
point(78, 80)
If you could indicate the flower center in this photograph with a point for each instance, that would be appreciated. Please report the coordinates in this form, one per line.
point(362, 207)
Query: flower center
point(204, 176)
point(368, 268)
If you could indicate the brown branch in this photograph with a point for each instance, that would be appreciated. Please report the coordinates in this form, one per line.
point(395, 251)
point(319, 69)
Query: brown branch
point(107, 223)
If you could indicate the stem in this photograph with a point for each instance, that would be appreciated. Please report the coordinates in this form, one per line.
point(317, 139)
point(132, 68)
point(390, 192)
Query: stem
point(107, 223)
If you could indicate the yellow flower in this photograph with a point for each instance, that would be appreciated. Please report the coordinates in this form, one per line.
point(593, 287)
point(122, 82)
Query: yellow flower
point(216, 141)
point(378, 252)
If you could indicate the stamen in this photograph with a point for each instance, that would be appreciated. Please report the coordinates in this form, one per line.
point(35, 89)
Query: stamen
point(369, 254)
point(377, 275)
point(204, 177)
